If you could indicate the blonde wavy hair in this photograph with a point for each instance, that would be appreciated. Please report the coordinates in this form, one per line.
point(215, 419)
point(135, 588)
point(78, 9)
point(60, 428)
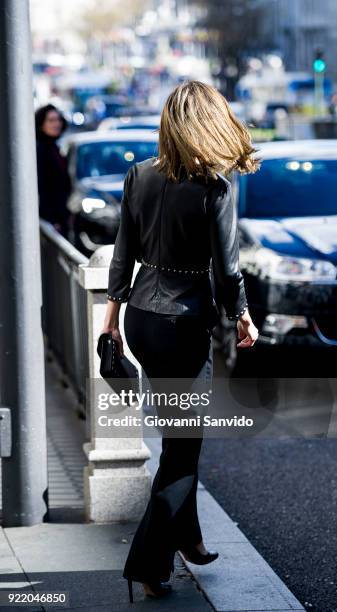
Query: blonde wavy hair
point(199, 132)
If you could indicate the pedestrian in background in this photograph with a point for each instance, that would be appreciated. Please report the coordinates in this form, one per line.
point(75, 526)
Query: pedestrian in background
point(53, 178)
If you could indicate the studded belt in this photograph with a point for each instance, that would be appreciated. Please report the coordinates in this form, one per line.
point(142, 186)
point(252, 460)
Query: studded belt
point(177, 270)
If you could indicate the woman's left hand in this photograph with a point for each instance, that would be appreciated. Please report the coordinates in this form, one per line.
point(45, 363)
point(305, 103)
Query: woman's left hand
point(247, 332)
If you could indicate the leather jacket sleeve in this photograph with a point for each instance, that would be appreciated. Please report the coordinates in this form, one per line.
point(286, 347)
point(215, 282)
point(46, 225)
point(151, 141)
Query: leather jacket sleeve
point(124, 255)
point(229, 286)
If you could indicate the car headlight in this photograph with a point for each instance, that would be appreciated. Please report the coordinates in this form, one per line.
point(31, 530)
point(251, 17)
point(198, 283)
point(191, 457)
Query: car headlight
point(78, 118)
point(287, 267)
point(275, 323)
point(90, 204)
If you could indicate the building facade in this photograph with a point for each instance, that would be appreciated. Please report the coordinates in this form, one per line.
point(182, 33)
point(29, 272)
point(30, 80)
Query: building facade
point(296, 28)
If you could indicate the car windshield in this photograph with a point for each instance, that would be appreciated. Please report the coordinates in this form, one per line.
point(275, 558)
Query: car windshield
point(292, 188)
point(103, 158)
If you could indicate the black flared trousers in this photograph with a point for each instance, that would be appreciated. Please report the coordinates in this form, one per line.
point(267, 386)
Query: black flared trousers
point(168, 347)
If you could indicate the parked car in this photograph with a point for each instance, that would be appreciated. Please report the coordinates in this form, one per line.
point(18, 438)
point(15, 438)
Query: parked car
point(97, 108)
point(288, 234)
point(268, 119)
point(147, 122)
point(98, 163)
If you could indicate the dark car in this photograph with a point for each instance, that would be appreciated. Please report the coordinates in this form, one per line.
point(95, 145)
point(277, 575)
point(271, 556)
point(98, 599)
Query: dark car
point(268, 119)
point(98, 163)
point(99, 107)
point(288, 235)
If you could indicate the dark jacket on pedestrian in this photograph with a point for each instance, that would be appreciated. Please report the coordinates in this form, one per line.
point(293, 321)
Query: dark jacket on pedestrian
point(54, 183)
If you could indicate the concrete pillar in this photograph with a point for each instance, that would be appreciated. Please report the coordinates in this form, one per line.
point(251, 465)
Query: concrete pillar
point(22, 381)
point(116, 481)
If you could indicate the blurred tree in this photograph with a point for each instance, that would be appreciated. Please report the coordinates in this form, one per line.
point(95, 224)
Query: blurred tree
point(98, 22)
point(235, 31)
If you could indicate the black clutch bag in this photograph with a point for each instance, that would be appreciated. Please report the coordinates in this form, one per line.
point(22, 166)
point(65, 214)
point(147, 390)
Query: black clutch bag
point(119, 371)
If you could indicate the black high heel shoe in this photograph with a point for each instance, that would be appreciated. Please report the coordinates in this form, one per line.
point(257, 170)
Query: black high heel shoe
point(194, 556)
point(156, 589)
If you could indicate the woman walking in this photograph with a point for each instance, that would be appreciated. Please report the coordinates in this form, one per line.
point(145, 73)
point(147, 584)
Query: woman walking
point(178, 219)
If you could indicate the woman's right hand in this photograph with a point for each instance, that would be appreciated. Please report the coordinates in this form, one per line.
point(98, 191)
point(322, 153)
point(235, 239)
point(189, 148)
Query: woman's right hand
point(247, 332)
point(116, 335)
point(111, 324)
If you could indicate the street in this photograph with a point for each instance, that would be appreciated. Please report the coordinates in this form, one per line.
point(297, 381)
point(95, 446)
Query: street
point(283, 495)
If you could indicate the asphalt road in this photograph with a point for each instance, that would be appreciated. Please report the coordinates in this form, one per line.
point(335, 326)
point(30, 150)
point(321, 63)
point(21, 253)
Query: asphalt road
point(283, 495)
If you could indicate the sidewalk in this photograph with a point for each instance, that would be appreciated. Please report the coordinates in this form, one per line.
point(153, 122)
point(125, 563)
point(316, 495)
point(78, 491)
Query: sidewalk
point(86, 560)
point(68, 555)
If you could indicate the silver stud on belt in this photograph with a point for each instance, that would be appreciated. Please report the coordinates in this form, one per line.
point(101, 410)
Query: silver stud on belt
point(165, 268)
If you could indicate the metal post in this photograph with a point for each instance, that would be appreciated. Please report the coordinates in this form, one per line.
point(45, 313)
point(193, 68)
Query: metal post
point(319, 93)
point(24, 473)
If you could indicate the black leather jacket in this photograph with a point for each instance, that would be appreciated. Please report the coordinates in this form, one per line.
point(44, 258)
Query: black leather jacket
point(186, 237)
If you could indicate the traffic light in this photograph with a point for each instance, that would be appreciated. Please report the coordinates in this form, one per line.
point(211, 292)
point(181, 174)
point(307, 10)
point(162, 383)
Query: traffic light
point(319, 64)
